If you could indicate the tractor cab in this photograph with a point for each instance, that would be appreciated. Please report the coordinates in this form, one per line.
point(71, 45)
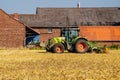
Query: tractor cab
point(70, 34)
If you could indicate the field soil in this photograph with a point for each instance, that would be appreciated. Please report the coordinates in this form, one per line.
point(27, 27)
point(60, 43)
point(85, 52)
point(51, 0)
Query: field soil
point(39, 65)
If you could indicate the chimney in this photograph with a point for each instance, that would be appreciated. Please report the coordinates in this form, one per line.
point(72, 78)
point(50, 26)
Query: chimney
point(16, 16)
point(78, 5)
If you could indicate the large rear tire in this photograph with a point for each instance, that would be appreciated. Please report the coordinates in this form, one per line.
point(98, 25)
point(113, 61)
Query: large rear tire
point(58, 48)
point(81, 46)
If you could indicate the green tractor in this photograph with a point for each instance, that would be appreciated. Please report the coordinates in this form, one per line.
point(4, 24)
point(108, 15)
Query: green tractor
point(69, 40)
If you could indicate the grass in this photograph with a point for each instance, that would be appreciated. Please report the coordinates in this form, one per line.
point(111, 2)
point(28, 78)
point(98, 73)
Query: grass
point(39, 65)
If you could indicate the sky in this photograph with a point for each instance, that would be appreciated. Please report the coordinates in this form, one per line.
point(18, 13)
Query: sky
point(29, 6)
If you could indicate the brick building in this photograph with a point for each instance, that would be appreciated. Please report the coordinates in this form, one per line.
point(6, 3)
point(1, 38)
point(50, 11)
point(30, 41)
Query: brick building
point(97, 24)
point(48, 21)
point(12, 32)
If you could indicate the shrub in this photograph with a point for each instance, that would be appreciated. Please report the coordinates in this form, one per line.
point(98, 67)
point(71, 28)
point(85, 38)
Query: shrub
point(114, 46)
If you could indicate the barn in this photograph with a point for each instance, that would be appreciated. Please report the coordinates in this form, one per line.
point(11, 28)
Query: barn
point(12, 32)
point(104, 22)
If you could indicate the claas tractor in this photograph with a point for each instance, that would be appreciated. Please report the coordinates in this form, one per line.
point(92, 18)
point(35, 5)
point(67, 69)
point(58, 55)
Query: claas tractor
point(69, 40)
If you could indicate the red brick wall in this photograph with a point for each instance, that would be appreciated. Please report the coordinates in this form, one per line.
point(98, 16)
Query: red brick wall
point(12, 33)
point(45, 35)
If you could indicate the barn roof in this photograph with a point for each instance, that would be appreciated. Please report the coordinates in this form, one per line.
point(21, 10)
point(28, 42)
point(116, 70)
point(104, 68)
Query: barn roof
point(57, 17)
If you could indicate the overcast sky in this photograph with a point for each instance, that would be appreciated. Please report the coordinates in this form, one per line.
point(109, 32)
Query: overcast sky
point(29, 6)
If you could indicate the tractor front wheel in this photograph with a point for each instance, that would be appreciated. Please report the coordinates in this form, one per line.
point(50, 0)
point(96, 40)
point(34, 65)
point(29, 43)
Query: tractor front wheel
point(58, 48)
point(81, 46)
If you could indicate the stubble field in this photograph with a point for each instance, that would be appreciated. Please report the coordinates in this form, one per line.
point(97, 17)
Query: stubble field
point(39, 65)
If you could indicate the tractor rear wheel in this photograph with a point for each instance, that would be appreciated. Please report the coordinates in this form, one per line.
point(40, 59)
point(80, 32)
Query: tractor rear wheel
point(58, 48)
point(81, 46)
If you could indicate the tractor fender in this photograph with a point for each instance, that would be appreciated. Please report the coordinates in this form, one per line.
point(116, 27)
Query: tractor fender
point(77, 38)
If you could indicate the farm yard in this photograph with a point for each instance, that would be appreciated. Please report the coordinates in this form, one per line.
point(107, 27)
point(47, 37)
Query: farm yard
point(38, 65)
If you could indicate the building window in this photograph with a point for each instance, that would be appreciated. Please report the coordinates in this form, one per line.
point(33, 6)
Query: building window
point(49, 30)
